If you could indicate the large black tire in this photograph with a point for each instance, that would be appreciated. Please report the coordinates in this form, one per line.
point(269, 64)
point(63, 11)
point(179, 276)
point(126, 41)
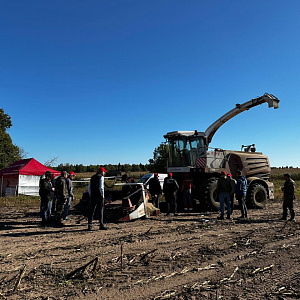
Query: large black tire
point(209, 197)
point(257, 196)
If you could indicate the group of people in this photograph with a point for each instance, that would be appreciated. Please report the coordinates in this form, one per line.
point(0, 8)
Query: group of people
point(226, 188)
point(60, 192)
point(57, 194)
point(56, 197)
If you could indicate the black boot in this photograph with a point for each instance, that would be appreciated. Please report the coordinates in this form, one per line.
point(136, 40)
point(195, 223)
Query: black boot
point(292, 216)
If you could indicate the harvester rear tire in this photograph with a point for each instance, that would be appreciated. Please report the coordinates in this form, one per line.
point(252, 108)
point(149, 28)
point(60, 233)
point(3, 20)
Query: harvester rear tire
point(257, 196)
point(209, 197)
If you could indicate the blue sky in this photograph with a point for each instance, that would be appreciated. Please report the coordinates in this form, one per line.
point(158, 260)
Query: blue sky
point(98, 82)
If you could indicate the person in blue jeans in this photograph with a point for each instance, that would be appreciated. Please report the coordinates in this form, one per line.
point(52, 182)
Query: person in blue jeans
point(223, 190)
point(241, 192)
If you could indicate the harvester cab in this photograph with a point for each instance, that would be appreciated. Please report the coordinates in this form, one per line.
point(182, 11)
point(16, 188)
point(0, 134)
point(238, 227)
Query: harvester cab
point(189, 152)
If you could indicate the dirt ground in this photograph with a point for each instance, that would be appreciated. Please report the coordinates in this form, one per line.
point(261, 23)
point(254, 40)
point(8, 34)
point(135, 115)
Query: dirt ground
point(190, 256)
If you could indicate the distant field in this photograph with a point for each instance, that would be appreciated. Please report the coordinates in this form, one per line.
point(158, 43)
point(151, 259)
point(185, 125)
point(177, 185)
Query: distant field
point(277, 174)
point(277, 179)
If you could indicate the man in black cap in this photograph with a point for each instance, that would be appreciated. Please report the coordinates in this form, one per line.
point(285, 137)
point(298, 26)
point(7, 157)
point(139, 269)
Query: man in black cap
point(288, 197)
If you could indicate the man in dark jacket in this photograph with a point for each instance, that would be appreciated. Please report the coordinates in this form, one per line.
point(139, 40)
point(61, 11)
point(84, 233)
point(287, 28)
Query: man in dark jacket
point(155, 189)
point(224, 190)
point(46, 192)
point(288, 197)
point(170, 190)
point(62, 195)
point(96, 192)
point(241, 191)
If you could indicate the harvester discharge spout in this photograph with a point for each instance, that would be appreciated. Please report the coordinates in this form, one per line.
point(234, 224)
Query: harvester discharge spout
point(272, 100)
point(269, 98)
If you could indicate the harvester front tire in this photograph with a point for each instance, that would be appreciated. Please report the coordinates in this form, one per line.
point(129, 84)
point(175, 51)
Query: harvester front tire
point(209, 195)
point(257, 196)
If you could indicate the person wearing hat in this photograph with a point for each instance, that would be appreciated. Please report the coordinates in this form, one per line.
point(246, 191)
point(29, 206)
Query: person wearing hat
point(96, 192)
point(62, 195)
point(155, 189)
point(46, 192)
point(288, 197)
point(223, 191)
point(233, 186)
point(241, 192)
point(71, 195)
point(170, 190)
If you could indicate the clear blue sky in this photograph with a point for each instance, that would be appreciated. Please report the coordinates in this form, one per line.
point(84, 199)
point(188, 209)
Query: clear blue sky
point(98, 82)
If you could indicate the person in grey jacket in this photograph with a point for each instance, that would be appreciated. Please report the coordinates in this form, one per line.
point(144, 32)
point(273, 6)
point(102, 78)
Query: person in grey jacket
point(62, 195)
point(71, 195)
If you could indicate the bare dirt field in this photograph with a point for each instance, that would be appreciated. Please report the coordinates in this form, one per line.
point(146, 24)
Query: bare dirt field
point(190, 256)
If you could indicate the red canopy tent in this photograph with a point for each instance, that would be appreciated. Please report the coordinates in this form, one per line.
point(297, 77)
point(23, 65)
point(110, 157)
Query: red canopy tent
point(22, 177)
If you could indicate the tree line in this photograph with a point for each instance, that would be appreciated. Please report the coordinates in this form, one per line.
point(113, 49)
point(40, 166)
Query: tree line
point(156, 164)
point(80, 168)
